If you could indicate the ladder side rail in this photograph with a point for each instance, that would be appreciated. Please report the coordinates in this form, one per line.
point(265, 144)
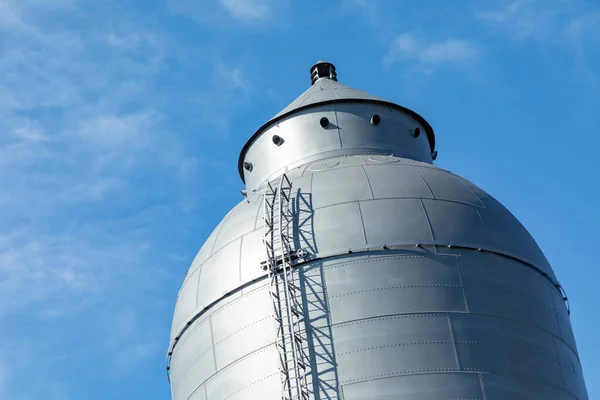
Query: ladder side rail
point(284, 193)
point(289, 322)
point(274, 292)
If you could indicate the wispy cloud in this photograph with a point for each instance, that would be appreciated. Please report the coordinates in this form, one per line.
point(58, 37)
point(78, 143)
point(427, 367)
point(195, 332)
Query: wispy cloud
point(254, 13)
point(86, 162)
point(248, 9)
point(410, 47)
point(572, 26)
point(227, 94)
point(547, 21)
point(519, 17)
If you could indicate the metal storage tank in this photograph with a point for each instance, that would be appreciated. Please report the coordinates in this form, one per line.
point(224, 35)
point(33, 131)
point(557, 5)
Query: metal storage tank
point(354, 268)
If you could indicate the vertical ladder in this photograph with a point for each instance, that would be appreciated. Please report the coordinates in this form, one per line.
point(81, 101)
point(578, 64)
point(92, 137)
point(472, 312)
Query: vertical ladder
point(284, 289)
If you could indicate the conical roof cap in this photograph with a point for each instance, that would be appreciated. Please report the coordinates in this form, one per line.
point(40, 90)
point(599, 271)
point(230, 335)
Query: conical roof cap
point(325, 90)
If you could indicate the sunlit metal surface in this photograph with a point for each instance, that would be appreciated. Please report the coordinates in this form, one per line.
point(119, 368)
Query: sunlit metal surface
point(415, 282)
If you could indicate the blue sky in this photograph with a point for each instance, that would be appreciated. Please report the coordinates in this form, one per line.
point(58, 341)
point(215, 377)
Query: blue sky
point(121, 122)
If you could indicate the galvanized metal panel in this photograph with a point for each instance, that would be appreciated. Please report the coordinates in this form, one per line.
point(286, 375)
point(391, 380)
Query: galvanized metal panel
point(186, 302)
point(340, 186)
point(348, 305)
point(199, 394)
point(265, 388)
point(391, 330)
point(403, 358)
point(446, 186)
point(499, 386)
point(396, 181)
point(338, 228)
point(235, 378)
point(188, 381)
point(194, 345)
point(326, 90)
point(530, 357)
point(206, 249)
point(391, 134)
point(240, 222)
point(395, 221)
point(245, 340)
point(303, 137)
point(424, 386)
point(455, 223)
point(375, 273)
point(220, 274)
point(252, 255)
point(571, 369)
point(503, 303)
point(243, 327)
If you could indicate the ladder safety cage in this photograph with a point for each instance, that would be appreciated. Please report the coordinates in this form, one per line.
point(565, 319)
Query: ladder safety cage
point(285, 289)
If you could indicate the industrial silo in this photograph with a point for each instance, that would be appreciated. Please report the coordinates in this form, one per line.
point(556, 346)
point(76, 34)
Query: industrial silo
point(354, 269)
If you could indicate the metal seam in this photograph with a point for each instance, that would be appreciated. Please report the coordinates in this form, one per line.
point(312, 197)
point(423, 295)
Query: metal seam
point(368, 181)
point(428, 285)
point(235, 362)
point(362, 222)
point(428, 220)
point(453, 340)
point(472, 191)
point(560, 367)
point(418, 343)
point(393, 198)
point(208, 307)
point(462, 285)
point(250, 384)
point(421, 314)
point(482, 384)
point(337, 127)
point(212, 340)
point(424, 181)
point(412, 372)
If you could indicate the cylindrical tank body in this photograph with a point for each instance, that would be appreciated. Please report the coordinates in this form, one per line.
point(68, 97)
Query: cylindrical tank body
point(416, 284)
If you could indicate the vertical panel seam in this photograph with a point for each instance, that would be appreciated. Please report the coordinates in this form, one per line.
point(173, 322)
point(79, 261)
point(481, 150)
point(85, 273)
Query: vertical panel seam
point(427, 219)
point(337, 126)
point(362, 221)
point(482, 384)
point(330, 326)
point(451, 329)
point(198, 284)
point(462, 285)
point(212, 341)
point(368, 182)
point(424, 181)
point(562, 376)
point(472, 191)
point(258, 210)
point(478, 214)
point(212, 249)
point(552, 299)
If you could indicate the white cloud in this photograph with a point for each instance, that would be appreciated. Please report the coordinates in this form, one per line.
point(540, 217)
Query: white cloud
point(86, 164)
point(546, 21)
point(248, 9)
point(253, 13)
point(409, 46)
point(518, 16)
point(228, 92)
